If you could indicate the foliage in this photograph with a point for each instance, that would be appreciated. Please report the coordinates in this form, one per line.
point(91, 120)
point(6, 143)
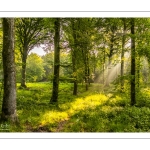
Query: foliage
point(48, 63)
point(1, 42)
point(30, 32)
point(35, 70)
point(91, 50)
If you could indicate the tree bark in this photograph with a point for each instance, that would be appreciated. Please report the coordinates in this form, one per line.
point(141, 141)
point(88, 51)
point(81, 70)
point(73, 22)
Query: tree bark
point(23, 73)
point(74, 59)
point(138, 71)
point(87, 71)
point(133, 99)
point(122, 55)
point(54, 97)
point(103, 67)
point(108, 73)
point(75, 87)
point(9, 96)
point(110, 57)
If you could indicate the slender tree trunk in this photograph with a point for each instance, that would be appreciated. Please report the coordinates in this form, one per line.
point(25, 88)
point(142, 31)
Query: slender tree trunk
point(54, 97)
point(133, 99)
point(138, 71)
point(75, 89)
point(75, 76)
point(23, 73)
point(108, 72)
point(74, 59)
point(104, 68)
point(94, 67)
point(86, 67)
point(122, 55)
point(110, 57)
point(74, 71)
point(9, 96)
point(86, 72)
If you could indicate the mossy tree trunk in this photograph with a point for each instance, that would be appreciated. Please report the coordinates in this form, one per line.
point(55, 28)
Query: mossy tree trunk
point(133, 99)
point(104, 67)
point(87, 70)
point(9, 96)
point(111, 51)
point(122, 54)
point(23, 72)
point(75, 87)
point(138, 70)
point(54, 97)
point(74, 58)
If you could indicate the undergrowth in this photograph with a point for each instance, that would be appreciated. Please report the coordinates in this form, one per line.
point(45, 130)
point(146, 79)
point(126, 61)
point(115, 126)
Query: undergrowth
point(95, 110)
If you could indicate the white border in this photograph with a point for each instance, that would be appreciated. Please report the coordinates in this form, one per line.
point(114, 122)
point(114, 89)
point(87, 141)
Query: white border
point(54, 135)
point(75, 5)
point(78, 8)
point(83, 144)
point(75, 14)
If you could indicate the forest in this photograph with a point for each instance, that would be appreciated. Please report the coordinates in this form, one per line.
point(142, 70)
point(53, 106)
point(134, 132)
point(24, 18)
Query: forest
point(93, 75)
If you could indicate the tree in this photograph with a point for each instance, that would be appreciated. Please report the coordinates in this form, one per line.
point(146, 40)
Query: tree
point(30, 32)
point(48, 64)
point(133, 100)
point(9, 97)
point(1, 45)
point(142, 47)
point(122, 52)
point(74, 51)
point(111, 26)
point(54, 97)
point(79, 32)
point(35, 70)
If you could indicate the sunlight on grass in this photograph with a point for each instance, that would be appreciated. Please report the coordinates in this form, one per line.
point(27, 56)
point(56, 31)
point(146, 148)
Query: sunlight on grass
point(109, 109)
point(90, 111)
point(53, 117)
point(88, 102)
point(80, 104)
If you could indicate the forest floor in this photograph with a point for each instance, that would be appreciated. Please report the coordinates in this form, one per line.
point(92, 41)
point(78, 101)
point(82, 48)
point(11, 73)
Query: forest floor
point(96, 110)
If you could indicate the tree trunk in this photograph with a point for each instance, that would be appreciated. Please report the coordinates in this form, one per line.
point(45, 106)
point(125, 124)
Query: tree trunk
point(103, 68)
point(138, 71)
point(75, 89)
point(110, 57)
point(23, 73)
point(122, 55)
point(94, 68)
point(54, 97)
point(9, 96)
point(74, 60)
point(87, 70)
point(108, 72)
point(74, 72)
point(133, 99)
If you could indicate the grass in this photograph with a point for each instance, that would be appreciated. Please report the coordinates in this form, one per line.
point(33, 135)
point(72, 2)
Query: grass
point(95, 110)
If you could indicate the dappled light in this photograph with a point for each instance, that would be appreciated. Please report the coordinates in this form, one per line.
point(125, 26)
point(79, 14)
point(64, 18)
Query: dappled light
point(79, 104)
point(93, 74)
point(92, 111)
point(112, 70)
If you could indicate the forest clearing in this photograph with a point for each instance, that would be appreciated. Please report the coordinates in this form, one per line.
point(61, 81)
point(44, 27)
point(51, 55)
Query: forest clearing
point(93, 75)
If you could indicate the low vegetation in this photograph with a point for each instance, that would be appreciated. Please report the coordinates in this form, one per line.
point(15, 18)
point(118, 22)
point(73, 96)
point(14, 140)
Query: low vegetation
point(97, 110)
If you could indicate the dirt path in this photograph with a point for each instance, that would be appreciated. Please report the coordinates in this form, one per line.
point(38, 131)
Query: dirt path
point(61, 126)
